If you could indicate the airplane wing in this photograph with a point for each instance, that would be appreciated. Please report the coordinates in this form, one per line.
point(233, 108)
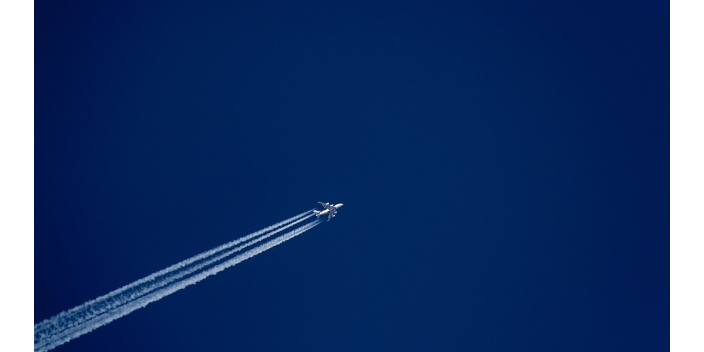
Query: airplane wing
point(331, 215)
point(327, 206)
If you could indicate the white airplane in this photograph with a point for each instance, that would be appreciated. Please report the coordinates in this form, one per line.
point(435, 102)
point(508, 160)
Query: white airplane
point(330, 209)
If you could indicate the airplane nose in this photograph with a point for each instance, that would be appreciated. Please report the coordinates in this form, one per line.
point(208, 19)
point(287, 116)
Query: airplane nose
point(341, 205)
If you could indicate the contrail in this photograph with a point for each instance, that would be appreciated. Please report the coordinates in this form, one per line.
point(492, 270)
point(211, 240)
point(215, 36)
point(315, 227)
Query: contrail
point(96, 306)
point(157, 295)
point(91, 311)
point(62, 327)
point(93, 308)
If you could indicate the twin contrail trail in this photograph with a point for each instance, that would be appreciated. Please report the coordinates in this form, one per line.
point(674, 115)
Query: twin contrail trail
point(98, 306)
point(93, 314)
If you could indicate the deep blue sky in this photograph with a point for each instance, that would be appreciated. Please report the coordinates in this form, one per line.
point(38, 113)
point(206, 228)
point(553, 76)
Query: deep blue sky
point(504, 167)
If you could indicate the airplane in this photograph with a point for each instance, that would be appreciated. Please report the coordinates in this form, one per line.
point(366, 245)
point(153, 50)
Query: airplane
point(330, 209)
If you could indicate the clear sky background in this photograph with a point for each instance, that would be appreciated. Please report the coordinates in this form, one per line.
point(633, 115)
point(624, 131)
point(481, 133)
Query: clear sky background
point(504, 169)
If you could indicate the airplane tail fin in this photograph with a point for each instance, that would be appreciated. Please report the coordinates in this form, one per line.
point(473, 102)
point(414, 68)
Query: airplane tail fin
point(317, 213)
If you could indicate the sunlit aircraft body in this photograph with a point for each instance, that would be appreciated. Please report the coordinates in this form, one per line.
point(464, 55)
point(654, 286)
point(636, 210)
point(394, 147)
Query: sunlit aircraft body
point(330, 209)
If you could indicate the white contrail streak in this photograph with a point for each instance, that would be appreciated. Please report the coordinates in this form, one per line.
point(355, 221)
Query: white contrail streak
point(121, 311)
point(93, 314)
point(93, 307)
point(90, 311)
